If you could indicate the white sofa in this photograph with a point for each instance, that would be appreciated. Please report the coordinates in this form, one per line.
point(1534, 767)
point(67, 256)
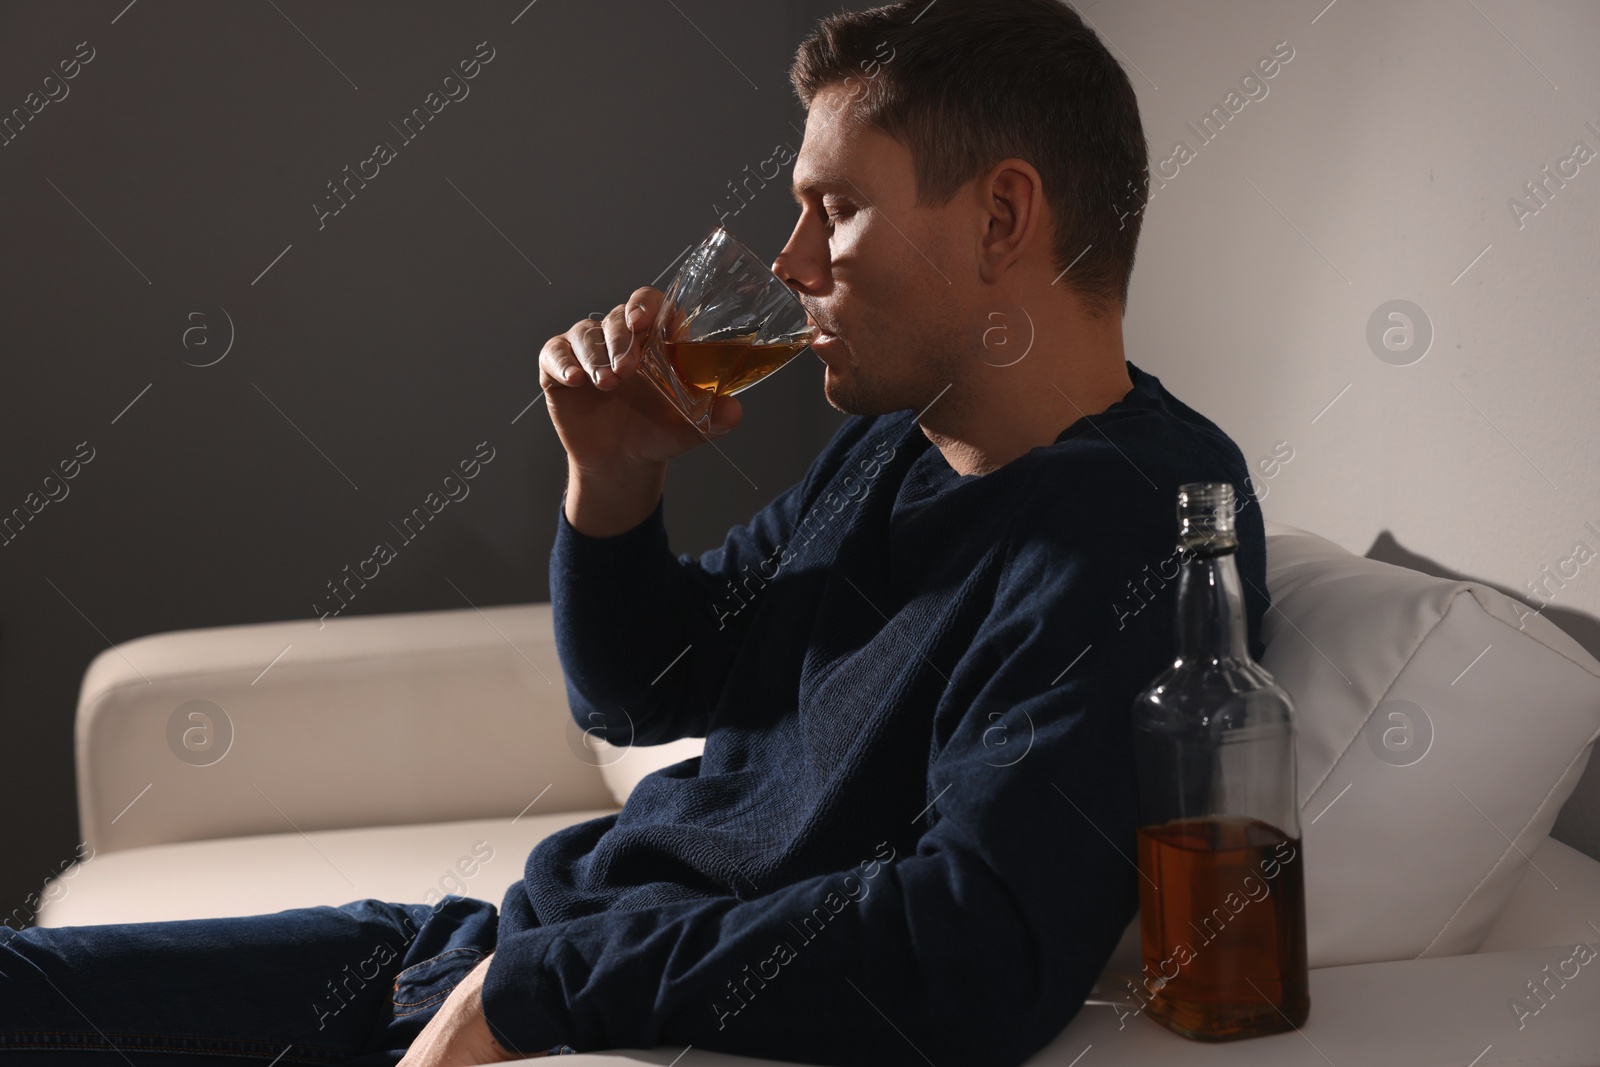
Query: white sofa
point(401, 757)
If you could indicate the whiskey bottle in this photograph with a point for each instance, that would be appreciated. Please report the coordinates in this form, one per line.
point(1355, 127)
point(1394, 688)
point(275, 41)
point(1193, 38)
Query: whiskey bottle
point(1221, 887)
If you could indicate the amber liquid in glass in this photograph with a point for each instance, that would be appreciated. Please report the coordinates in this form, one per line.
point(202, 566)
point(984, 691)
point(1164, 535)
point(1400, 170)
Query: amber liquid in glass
point(723, 367)
point(1231, 891)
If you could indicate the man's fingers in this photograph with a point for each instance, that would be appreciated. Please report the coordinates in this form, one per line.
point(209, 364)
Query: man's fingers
point(558, 364)
point(587, 339)
point(621, 342)
point(603, 350)
point(640, 310)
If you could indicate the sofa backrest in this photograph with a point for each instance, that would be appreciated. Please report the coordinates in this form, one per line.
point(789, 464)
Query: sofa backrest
point(368, 720)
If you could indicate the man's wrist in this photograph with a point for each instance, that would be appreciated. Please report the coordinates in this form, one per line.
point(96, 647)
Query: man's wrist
point(480, 975)
point(509, 1054)
point(611, 502)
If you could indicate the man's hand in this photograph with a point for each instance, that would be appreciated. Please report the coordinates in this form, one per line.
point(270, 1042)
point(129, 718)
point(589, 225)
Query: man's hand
point(609, 415)
point(458, 1035)
point(617, 427)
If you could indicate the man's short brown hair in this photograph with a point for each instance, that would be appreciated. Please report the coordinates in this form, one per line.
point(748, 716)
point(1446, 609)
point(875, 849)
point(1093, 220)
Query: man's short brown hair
point(966, 83)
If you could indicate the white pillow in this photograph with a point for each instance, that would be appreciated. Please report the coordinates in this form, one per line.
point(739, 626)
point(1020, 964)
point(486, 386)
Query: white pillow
point(1441, 727)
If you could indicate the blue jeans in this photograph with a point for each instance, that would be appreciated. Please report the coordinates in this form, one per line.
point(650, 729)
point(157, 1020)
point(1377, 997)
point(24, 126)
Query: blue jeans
point(349, 985)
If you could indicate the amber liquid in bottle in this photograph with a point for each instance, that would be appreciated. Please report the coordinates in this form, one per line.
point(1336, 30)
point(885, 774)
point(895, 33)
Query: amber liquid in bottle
point(1226, 921)
point(724, 367)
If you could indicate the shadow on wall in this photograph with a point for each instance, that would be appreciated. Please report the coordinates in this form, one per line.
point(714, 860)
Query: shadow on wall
point(1578, 824)
point(1584, 629)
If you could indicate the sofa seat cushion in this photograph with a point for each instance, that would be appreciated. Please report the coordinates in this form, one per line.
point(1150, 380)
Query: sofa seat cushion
point(1407, 1012)
point(1556, 903)
point(1436, 1012)
point(415, 864)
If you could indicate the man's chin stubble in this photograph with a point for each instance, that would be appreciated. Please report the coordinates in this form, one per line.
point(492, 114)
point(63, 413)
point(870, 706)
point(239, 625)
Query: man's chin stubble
point(844, 399)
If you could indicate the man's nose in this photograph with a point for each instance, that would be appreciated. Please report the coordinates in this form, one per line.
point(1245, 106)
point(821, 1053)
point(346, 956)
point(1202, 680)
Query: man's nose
point(780, 267)
point(790, 267)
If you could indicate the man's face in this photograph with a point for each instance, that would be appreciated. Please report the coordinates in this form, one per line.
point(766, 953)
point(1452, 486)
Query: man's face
point(872, 268)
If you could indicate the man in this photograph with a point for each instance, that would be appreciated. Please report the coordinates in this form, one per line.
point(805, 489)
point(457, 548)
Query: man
point(911, 835)
point(912, 826)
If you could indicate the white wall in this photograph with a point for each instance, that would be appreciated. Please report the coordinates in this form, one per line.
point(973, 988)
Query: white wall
point(1392, 141)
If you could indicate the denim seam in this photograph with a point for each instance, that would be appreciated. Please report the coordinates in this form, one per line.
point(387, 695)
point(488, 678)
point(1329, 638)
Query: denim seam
point(413, 1007)
point(416, 1005)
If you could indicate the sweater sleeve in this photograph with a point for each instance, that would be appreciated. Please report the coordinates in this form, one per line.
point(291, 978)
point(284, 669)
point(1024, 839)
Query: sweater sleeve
point(979, 946)
point(645, 637)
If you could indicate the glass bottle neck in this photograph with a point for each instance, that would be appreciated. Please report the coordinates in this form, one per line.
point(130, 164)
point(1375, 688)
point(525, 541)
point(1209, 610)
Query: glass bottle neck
point(1211, 609)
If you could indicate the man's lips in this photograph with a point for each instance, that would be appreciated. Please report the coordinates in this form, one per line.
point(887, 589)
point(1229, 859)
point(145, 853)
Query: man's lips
point(825, 338)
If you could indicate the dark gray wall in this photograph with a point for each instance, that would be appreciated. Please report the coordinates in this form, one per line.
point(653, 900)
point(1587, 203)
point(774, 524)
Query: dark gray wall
point(378, 350)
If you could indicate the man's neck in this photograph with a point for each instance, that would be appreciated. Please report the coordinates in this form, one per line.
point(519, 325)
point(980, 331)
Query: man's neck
point(1001, 413)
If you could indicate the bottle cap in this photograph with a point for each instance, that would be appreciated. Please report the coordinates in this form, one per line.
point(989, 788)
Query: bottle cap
point(1205, 518)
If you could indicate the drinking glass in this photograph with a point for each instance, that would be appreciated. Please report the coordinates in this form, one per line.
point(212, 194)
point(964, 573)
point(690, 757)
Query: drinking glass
point(726, 322)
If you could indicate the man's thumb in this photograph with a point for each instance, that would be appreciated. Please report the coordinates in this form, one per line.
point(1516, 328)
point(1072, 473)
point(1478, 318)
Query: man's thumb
point(726, 413)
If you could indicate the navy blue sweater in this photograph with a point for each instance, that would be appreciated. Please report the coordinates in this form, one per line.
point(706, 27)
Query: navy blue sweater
point(911, 832)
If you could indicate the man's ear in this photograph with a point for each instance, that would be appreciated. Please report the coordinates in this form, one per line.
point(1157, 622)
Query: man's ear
point(1011, 196)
